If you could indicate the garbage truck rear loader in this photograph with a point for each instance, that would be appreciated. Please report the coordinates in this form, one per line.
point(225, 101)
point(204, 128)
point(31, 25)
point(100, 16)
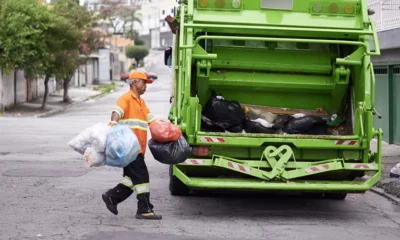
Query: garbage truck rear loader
point(284, 57)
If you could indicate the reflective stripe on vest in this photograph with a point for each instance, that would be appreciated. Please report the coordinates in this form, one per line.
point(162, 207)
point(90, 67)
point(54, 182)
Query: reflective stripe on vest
point(150, 118)
point(134, 123)
point(128, 182)
point(142, 188)
point(119, 111)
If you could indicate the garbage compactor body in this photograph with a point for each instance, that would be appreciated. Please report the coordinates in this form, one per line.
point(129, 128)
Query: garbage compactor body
point(310, 57)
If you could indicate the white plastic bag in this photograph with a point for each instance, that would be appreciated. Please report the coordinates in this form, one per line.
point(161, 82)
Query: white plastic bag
point(94, 136)
point(94, 158)
point(263, 122)
point(395, 171)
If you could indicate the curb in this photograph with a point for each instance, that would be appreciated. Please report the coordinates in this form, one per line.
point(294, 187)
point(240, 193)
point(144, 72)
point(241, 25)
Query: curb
point(386, 195)
point(60, 110)
point(50, 113)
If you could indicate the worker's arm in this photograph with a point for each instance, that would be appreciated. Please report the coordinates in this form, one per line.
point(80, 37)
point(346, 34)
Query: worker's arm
point(150, 116)
point(118, 111)
point(115, 117)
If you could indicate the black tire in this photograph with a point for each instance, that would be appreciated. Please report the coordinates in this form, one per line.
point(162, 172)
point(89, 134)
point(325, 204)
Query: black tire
point(176, 186)
point(336, 196)
point(315, 195)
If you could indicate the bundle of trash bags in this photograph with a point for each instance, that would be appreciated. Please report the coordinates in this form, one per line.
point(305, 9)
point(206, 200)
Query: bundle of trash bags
point(395, 171)
point(101, 145)
point(221, 115)
point(167, 144)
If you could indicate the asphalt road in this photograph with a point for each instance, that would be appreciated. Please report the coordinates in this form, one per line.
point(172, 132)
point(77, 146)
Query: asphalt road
point(47, 192)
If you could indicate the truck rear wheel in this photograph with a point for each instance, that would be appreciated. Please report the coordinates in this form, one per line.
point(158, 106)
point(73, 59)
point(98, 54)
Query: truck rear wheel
point(312, 195)
point(336, 196)
point(176, 186)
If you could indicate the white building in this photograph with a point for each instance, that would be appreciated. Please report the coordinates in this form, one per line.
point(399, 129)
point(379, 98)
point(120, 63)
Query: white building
point(154, 30)
point(95, 5)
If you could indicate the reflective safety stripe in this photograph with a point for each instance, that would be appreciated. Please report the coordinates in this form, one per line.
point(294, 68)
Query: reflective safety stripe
point(137, 127)
point(134, 123)
point(142, 188)
point(119, 111)
point(128, 182)
point(150, 118)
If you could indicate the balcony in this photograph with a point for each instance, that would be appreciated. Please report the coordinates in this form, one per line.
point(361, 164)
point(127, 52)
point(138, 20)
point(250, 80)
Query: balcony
point(387, 14)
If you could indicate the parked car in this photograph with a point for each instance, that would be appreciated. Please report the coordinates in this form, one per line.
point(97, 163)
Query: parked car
point(150, 75)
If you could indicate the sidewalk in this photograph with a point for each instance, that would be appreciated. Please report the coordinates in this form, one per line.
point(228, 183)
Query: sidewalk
point(388, 187)
point(55, 102)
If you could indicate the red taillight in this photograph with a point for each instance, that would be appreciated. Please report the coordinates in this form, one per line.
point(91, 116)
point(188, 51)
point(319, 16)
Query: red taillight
point(201, 151)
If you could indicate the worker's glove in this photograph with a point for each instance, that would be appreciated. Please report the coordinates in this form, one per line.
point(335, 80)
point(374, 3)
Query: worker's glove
point(112, 123)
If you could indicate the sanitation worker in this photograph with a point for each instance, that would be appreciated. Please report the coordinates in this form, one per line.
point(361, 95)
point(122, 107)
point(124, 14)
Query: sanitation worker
point(131, 110)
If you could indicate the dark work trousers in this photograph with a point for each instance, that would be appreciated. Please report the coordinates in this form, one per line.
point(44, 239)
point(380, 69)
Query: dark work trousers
point(136, 178)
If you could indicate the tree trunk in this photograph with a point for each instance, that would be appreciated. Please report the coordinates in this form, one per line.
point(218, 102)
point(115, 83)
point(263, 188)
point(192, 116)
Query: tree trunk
point(46, 91)
point(66, 98)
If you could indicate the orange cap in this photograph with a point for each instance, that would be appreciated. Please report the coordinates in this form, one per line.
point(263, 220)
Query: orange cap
point(139, 75)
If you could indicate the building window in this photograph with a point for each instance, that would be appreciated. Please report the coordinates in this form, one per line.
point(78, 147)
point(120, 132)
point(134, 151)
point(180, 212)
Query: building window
point(172, 10)
point(163, 12)
point(163, 23)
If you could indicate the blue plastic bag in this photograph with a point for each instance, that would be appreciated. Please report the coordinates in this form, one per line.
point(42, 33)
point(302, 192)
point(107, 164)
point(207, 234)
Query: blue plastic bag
point(122, 146)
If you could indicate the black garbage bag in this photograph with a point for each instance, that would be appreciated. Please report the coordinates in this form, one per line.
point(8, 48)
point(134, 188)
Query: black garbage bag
point(255, 127)
point(318, 129)
point(303, 125)
point(223, 113)
point(281, 120)
point(208, 126)
point(236, 129)
point(170, 152)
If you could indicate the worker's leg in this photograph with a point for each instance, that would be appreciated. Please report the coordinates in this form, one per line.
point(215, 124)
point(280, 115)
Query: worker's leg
point(120, 192)
point(139, 175)
point(140, 178)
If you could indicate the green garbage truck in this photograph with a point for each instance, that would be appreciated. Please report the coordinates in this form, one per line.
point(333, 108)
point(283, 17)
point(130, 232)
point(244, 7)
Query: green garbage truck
point(287, 58)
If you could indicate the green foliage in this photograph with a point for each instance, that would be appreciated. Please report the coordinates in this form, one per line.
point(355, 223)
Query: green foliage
point(133, 35)
point(37, 38)
point(26, 35)
point(80, 39)
point(137, 52)
point(46, 40)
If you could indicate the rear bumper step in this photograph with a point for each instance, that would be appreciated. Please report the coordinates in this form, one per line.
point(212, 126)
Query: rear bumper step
point(259, 184)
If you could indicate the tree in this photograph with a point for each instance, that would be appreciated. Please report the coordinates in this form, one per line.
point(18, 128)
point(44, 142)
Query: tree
point(137, 52)
point(82, 40)
point(30, 34)
point(133, 35)
point(132, 18)
point(121, 19)
point(114, 13)
point(45, 40)
point(25, 30)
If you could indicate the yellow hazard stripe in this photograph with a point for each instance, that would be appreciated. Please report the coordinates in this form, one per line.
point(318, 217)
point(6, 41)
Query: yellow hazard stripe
point(134, 123)
point(142, 188)
point(127, 182)
point(150, 118)
point(137, 127)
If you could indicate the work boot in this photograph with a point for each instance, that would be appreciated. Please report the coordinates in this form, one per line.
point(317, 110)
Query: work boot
point(109, 204)
point(149, 216)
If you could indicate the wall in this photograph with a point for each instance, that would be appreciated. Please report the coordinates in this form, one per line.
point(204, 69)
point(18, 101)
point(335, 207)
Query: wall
point(21, 87)
point(15, 89)
point(104, 65)
point(7, 90)
point(387, 56)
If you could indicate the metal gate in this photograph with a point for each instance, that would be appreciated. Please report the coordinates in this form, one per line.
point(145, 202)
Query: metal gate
point(395, 89)
point(382, 100)
point(387, 101)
